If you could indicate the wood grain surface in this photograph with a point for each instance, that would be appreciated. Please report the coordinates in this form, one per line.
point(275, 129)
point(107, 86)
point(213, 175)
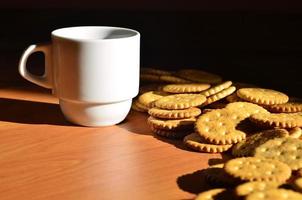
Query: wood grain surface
point(44, 157)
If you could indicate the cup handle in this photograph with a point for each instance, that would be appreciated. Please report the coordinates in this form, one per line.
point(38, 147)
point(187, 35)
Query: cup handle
point(46, 79)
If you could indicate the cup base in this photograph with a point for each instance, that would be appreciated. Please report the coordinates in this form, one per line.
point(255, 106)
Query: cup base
point(94, 115)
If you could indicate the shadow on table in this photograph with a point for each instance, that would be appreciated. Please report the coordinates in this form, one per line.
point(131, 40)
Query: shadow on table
point(30, 112)
point(198, 181)
point(136, 123)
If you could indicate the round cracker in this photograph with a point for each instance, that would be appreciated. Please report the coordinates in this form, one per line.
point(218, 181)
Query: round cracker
point(218, 126)
point(199, 76)
point(247, 147)
point(281, 120)
point(217, 88)
point(150, 77)
point(289, 107)
point(298, 184)
point(174, 114)
point(171, 124)
point(258, 169)
point(210, 194)
point(171, 134)
point(180, 101)
point(220, 95)
point(295, 132)
point(149, 70)
point(255, 186)
point(173, 79)
point(262, 96)
point(186, 88)
point(137, 108)
point(274, 194)
point(194, 141)
point(148, 98)
point(247, 108)
point(287, 150)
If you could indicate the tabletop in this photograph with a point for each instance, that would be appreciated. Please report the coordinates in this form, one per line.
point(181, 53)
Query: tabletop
point(42, 156)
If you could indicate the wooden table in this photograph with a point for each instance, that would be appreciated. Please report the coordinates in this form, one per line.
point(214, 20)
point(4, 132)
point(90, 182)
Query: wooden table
point(44, 157)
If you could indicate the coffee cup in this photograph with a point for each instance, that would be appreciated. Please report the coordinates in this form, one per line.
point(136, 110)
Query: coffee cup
point(92, 70)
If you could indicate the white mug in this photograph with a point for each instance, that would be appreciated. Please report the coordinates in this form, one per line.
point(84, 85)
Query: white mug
point(93, 70)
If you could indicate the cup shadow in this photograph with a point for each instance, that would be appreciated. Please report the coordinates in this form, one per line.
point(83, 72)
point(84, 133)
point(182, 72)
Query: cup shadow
point(29, 112)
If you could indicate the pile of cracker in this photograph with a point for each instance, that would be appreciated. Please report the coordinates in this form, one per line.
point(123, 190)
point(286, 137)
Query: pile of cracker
point(260, 130)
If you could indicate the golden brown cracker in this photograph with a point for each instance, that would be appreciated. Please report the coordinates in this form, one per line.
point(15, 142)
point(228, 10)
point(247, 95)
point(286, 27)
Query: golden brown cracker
point(199, 76)
point(174, 114)
point(287, 150)
point(180, 101)
point(218, 126)
point(149, 70)
point(247, 146)
point(148, 98)
point(289, 107)
point(194, 141)
point(173, 79)
point(255, 186)
point(171, 124)
point(258, 169)
point(262, 96)
point(281, 120)
point(186, 88)
point(274, 194)
point(217, 88)
point(220, 95)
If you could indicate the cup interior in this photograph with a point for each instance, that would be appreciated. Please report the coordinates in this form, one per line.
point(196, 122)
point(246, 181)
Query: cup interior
point(94, 33)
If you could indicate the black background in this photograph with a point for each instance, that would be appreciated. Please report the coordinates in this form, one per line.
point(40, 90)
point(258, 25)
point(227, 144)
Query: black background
point(256, 42)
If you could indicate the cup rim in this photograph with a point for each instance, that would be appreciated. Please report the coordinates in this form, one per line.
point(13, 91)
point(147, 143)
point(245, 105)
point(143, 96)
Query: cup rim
point(57, 33)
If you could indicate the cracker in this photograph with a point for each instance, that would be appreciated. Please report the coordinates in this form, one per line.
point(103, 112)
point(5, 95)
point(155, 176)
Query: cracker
point(218, 126)
point(174, 124)
point(171, 134)
point(281, 120)
point(186, 88)
point(220, 95)
point(233, 98)
point(174, 114)
point(137, 108)
point(180, 101)
point(173, 79)
point(148, 70)
point(258, 169)
point(247, 147)
point(246, 108)
point(262, 96)
point(194, 141)
point(217, 88)
point(199, 76)
point(150, 77)
point(298, 184)
point(287, 150)
point(141, 107)
point(148, 98)
point(210, 194)
point(255, 186)
point(274, 194)
point(295, 132)
point(289, 107)
point(149, 87)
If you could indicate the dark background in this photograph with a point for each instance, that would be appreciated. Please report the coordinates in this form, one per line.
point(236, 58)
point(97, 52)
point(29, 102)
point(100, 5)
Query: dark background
point(256, 42)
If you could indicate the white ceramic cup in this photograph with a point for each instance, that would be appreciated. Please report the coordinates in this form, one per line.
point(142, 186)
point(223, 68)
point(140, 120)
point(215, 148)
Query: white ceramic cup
point(93, 70)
